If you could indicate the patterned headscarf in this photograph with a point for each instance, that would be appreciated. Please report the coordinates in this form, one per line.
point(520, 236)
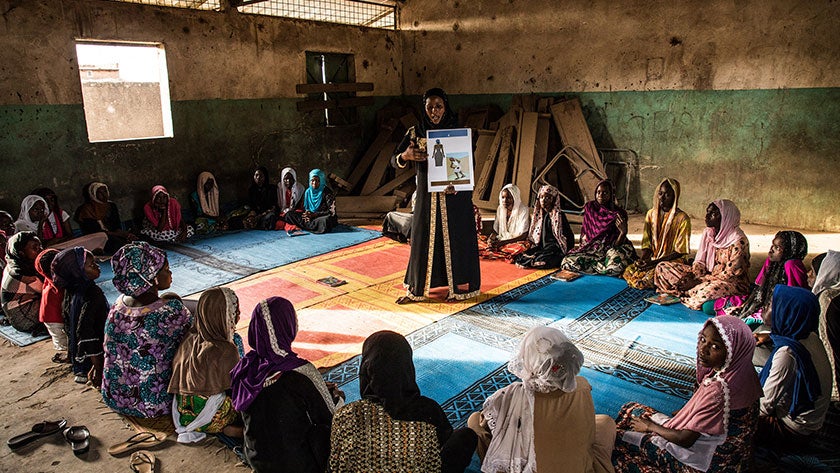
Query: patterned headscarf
point(729, 233)
point(661, 230)
point(135, 267)
point(206, 356)
point(16, 262)
point(796, 313)
point(556, 216)
point(297, 190)
point(517, 224)
point(272, 330)
point(209, 201)
point(599, 220)
point(312, 197)
point(24, 221)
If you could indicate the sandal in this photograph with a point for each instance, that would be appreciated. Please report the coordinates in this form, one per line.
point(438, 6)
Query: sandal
point(138, 440)
point(42, 429)
point(142, 461)
point(60, 357)
point(404, 300)
point(79, 438)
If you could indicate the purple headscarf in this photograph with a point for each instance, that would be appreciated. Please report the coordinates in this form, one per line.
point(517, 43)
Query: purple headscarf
point(135, 267)
point(271, 332)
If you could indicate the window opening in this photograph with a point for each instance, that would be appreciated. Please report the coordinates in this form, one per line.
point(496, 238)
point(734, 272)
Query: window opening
point(369, 13)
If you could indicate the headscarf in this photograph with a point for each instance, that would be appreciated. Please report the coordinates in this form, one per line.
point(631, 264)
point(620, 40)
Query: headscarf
point(449, 119)
point(828, 277)
point(93, 208)
point(51, 296)
point(16, 263)
point(796, 313)
point(599, 220)
point(386, 374)
point(794, 246)
point(24, 221)
point(312, 197)
point(517, 224)
point(297, 190)
point(546, 361)
point(737, 371)
point(53, 227)
point(174, 213)
point(206, 356)
point(661, 230)
point(729, 233)
point(271, 332)
point(262, 197)
point(68, 269)
point(135, 267)
point(3, 239)
point(209, 201)
point(556, 216)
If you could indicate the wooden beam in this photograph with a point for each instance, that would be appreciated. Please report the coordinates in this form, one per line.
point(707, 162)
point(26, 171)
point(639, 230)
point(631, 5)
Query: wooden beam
point(372, 152)
point(313, 105)
point(524, 170)
point(540, 148)
point(343, 87)
point(355, 204)
point(402, 176)
point(482, 149)
point(380, 165)
point(341, 182)
point(574, 132)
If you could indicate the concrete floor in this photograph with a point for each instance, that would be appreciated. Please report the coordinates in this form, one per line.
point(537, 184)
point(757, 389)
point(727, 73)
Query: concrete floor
point(35, 389)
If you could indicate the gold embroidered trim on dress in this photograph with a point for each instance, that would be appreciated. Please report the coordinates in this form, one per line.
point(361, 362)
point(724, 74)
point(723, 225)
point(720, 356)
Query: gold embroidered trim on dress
point(433, 233)
point(447, 248)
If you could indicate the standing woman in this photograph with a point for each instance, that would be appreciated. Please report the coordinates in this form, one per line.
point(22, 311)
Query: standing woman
point(604, 247)
point(22, 285)
point(318, 206)
point(444, 244)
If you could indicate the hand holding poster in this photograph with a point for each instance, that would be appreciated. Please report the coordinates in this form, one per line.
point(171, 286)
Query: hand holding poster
point(450, 159)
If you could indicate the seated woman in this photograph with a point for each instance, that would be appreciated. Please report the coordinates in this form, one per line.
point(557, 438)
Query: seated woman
point(397, 224)
point(285, 404)
point(99, 214)
point(7, 223)
point(547, 421)
point(85, 309)
point(550, 235)
point(142, 333)
point(721, 266)
point(56, 232)
point(393, 427)
point(797, 377)
point(713, 430)
point(201, 370)
point(665, 236)
point(318, 206)
point(782, 266)
point(604, 247)
point(510, 228)
point(289, 195)
point(50, 313)
point(162, 218)
point(262, 198)
point(22, 285)
point(824, 278)
point(205, 202)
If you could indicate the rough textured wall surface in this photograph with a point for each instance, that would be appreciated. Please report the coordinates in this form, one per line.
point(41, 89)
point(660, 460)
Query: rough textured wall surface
point(232, 81)
point(735, 98)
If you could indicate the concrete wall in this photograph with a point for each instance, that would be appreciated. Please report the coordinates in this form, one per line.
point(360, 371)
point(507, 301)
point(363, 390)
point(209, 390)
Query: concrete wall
point(232, 82)
point(735, 98)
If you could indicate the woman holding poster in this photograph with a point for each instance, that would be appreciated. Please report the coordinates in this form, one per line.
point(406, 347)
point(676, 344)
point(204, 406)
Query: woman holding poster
point(444, 244)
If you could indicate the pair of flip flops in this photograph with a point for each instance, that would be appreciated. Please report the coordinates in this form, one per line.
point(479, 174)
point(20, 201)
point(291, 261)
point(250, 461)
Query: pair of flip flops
point(42, 429)
point(138, 440)
point(78, 437)
point(142, 461)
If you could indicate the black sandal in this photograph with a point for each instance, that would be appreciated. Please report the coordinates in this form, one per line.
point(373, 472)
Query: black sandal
point(405, 300)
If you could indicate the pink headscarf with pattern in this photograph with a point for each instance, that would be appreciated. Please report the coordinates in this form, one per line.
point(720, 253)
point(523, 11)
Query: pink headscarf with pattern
point(730, 232)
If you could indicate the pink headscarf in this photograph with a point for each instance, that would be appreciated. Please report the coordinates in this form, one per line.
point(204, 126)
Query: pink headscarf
point(730, 232)
point(154, 216)
point(556, 215)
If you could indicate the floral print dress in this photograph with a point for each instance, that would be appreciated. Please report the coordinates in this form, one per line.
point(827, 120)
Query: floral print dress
point(140, 343)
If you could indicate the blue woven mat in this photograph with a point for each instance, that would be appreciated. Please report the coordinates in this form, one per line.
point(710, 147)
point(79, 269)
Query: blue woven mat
point(20, 339)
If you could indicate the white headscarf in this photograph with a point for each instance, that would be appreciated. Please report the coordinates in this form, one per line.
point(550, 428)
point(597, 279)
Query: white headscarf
point(24, 223)
point(547, 361)
point(829, 275)
point(297, 190)
point(209, 201)
point(519, 220)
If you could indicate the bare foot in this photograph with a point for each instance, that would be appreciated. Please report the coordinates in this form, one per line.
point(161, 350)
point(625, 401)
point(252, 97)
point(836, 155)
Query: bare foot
point(234, 431)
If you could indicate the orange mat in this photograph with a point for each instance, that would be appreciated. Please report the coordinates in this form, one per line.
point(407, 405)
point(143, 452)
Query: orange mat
point(334, 321)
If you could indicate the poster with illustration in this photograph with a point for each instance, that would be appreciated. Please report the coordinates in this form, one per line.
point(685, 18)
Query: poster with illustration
point(450, 159)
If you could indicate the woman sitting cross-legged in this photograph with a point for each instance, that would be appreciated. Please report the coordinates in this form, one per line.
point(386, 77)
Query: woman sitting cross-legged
point(289, 195)
point(22, 285)
point(55, 231)
point(721, 266)
point(604, 247)
point(318, 206)
point(547, 421)
point(510, 228)
point(713, 431)
point(550, 234)
point(162, 218)
point(99, 213)
point(285, 404)
point(142, 333)
point(393, 427)
point(205, 202)
point(201, 369)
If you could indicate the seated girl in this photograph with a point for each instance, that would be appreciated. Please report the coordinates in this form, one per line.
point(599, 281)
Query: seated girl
point(318, 206)
point(797, 377)
point(289, 194)
point(162, 218)
point(22, 285)
point(665, 236)
point(547, 421)
point(205, 201)
point(604, 247)
point(201, 369)
point(393, 427)
point(550, 235)
point(99, 214)
point(262, 198)
point(713, 430)
point(510, 228)
point(782, 266)
point(85, 309)
point(285, 404)
point(50, 313)
point(721, 266)
point(142, 333)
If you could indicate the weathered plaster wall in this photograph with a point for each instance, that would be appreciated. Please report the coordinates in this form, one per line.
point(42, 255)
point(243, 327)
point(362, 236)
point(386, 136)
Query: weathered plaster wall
point(735, 98)
point(232, 82)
